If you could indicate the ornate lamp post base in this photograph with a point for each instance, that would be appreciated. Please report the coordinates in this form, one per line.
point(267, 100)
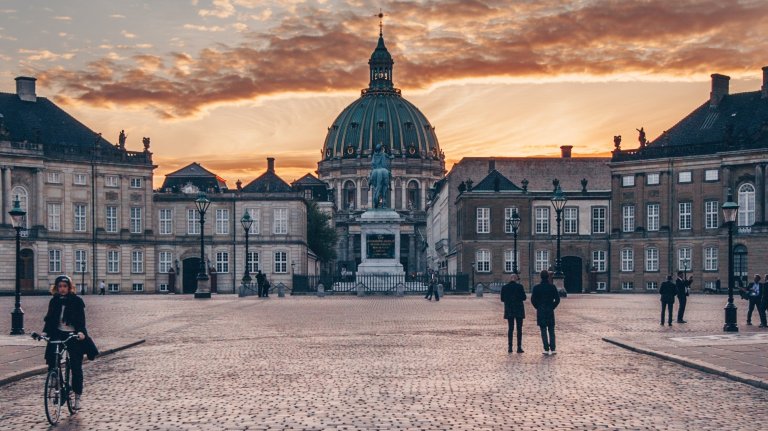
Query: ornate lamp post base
point(17, 322)
point(203, 287)
point(730, 318)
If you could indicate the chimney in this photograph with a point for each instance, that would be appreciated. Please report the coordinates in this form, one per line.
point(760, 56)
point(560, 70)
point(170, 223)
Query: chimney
point(491, 165)
point(765, 83)
point(719, 89)
point(565, 151)
point(25, 88)
point(271, 164)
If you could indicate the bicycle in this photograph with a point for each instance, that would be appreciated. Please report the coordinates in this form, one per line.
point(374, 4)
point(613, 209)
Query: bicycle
point(58, 388)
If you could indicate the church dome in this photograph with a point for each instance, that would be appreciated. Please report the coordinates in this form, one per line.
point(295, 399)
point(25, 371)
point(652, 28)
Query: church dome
point(381, 115)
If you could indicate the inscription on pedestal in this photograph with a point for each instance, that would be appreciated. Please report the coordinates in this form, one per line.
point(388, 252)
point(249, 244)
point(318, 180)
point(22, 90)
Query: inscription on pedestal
point(380, 246)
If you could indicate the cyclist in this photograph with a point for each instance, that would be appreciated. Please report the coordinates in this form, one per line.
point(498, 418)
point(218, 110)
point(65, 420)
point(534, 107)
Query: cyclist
point(66, 314)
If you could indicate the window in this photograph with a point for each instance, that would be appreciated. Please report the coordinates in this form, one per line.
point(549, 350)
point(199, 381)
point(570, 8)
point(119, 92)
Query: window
point(79, 179)
point(746, 205)
point(711, 286)
point(193, 222)
point(483, 260)
point(281, 262)
point(684, 260)
point(255, 216)
point(509, 260)
point(652, 222)
point(222, 262)
point(711, 175)
point(602, 286)
point(598, 219)
point(483, 220)
point(628, 181)
point(684, 215)
point(135, 183)
point(508, 216)
point(113, 261)
point(163, 287)
point(164, 262)
point(711, 214)
point(54, 260)
point(542, 260)
point(710, 259)
point(166, 221)
point(138, 287)
point(684, 177)
point(222, 221)
point(570, 220)
point(627, 285)
point(542, 220)
point(280, 221)
point(111, 181)
point(308, 194)
point(81, 261)
point(113, 287)
point(111, 219)
point(598, 260)
point(253, 261)
point(628, 218)
point(652, 179)
point(80, 220)
point(54, 217)
point(627, 260)
point(54, 177)
point(651, 285)
point(651, 259)
point(136, 224)
point(137, 262)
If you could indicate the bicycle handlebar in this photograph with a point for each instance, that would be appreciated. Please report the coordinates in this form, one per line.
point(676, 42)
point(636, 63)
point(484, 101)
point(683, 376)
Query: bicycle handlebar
point(38, 337)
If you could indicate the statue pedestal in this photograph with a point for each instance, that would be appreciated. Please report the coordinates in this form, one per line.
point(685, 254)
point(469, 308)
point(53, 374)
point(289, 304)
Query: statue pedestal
point(380, 247)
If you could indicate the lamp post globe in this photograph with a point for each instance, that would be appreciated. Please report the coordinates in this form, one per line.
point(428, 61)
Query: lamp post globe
point(558, 202)
point(17, 315)
point(246, 221)
point(730, 211)
point(203, 290)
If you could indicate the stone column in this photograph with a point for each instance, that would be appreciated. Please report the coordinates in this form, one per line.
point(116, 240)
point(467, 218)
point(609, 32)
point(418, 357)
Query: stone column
point(759, 192)
point(7, 198)
point(423, 203)
point(339, 198)
point(41, 210)
point(412, 252)
point(404, 197)
point(392, 196)
point(358, 185)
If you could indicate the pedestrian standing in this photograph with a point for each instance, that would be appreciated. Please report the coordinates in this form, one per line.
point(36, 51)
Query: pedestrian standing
point(667, 291)
point(545, 299)
point(102, 290)
point(753, 294)
point(763, 302)
point(260, 283)
point(432, 286)
point(682, 286)
point(513, 295)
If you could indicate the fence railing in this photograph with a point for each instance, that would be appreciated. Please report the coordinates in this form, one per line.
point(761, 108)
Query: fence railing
point(378, 283)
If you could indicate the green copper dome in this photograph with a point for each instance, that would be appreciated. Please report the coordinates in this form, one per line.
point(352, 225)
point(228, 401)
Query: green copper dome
point(381, 115)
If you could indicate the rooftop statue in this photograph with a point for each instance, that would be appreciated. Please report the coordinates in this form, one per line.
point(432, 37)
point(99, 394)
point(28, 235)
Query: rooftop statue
point(380, 178)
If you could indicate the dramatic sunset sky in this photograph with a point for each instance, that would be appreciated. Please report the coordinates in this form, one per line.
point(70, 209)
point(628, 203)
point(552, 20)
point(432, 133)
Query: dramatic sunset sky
point(230, 82)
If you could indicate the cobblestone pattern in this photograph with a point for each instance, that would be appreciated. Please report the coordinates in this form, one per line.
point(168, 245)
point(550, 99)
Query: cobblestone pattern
point(385, 363)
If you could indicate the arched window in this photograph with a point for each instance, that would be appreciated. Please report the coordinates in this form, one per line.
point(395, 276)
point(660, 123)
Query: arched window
point(20, 193)
point(746, 205)
point(350, 195)
point(414, 196)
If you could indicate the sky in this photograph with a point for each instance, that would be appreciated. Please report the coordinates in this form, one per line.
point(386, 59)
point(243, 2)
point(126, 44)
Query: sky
point(228, 83)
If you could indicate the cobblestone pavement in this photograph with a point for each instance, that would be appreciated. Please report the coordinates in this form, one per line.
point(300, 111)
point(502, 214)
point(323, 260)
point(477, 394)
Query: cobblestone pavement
point(385, 363)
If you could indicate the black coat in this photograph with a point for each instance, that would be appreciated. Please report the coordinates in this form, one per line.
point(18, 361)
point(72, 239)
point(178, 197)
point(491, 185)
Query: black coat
point(680, 286)
point(545, 299)
point(74, 313)
point(668, 291)
point(513, 295)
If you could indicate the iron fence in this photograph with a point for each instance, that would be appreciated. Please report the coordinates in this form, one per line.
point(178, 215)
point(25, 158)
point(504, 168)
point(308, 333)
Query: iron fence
point(378, 283)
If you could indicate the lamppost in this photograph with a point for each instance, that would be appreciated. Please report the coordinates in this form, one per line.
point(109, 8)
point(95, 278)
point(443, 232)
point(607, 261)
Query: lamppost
point(473, 277)
point(558, 201)
point(17, 315)
point(514, 223)
point(247, 221)
point(203, 291)
point(730, 211)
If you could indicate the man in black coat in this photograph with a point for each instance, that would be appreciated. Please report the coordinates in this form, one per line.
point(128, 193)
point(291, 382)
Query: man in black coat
point(667, 291)
point(513, 296)
point(545, 299)
point(754, 293)
point(763, 302)
point(682, 287)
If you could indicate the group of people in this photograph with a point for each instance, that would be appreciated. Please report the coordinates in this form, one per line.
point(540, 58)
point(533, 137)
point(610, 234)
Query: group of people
point(263, 285)
point(668, 291)
point(544, 298)
point(757, 295)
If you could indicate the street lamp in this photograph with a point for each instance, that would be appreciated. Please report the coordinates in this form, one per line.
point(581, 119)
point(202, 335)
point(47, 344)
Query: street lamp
point(247, 222)
point(473, 277)
point(202, 203)
point(730, 211)
point(558, 201)
point(514, 223)
point(17, 315)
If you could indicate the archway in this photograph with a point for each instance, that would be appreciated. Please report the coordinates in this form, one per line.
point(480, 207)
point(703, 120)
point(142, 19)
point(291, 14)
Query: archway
point(191, 267)
point(27, 270)
point(572, 267)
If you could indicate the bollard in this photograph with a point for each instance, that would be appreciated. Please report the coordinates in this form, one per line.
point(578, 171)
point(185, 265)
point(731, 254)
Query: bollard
point(440, 289)
point(320, 290)
point(281, 290)
point(479, 290)
point(400, 289)
point(360, 289)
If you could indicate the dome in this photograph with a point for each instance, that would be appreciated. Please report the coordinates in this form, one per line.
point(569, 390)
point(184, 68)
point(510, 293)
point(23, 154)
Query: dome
point(381, 115)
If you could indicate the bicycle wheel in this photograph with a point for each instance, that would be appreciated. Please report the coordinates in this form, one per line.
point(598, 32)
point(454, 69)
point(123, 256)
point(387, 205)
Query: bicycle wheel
point(68, 393)
point(52, 397)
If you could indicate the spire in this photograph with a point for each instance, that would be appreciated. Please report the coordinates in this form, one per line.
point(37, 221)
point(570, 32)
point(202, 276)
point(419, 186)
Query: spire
point(381, 63)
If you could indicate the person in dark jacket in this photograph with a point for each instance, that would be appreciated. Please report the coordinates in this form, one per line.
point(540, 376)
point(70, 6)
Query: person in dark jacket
point(66, 315)
point(513, 296)
point(754, 294)
point(682, 286)
point(763, 302)
point(260, 279)
point(667, 291)
point(545, 299)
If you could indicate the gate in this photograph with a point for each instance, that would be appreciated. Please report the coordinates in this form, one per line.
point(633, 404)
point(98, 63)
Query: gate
point(189, 274)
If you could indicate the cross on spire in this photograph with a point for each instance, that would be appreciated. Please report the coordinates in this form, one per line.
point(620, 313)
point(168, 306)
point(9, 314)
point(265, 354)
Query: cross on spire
point(381, 22)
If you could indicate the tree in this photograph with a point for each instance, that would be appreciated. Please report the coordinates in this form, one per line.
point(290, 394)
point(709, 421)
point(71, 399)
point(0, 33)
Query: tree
point(321, 237)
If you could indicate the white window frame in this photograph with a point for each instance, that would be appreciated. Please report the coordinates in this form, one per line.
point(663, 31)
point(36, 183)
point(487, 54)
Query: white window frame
point(599, 219)
point(79, 179)
point(685, 177)
point(571, 220)
point(54, 260)
point(53, 177)
point(136, 183)
point(81, 261)
point(222, 221)
point(483, 220)
point(711, 214)
point(193, 222)
point(509, 260)
point(712, 175)
point(627, 218)
point(54, 217)
point(80, 215)
point(599, 260)
point(508, 211)
point(113, 287)
point(627, 285)
point(111, 181)
point(601, 286)
point(165, 221)
point(137, 287)
point(651, 285)
point(684, 254)
point(685, 216)
point(652, 214)
point(541, 261)
point(222, 262)
point(652, 179)
point(255, 214)
point(137, 261)
point(652, 259)
point(164, 261)
point(280, 221)
point(628, 181)
point(113, 261)
point(746, 216)
point(253, 261)
point(111, 224)
point(280, 262)
point(627, 259)
point(541, 220)
point(137, 223)
point(711, 259)
point(483, 260)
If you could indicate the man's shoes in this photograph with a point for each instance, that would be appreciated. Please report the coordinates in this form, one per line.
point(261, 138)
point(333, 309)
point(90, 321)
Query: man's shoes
point(762, 326)
point(683, 321)
point(552, 352)
point(749, 323)
point(519, 350)
point(77, 402)
point(670, 323)
point(662, 323)
point(546, 352)
point(509, 349)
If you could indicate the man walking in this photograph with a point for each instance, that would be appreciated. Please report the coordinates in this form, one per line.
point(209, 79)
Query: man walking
point(513, 296)
point(667, 291)
point(102, 290)
point(682, 286)
point(754, 294)
point(545, 299)
point(432, 286)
